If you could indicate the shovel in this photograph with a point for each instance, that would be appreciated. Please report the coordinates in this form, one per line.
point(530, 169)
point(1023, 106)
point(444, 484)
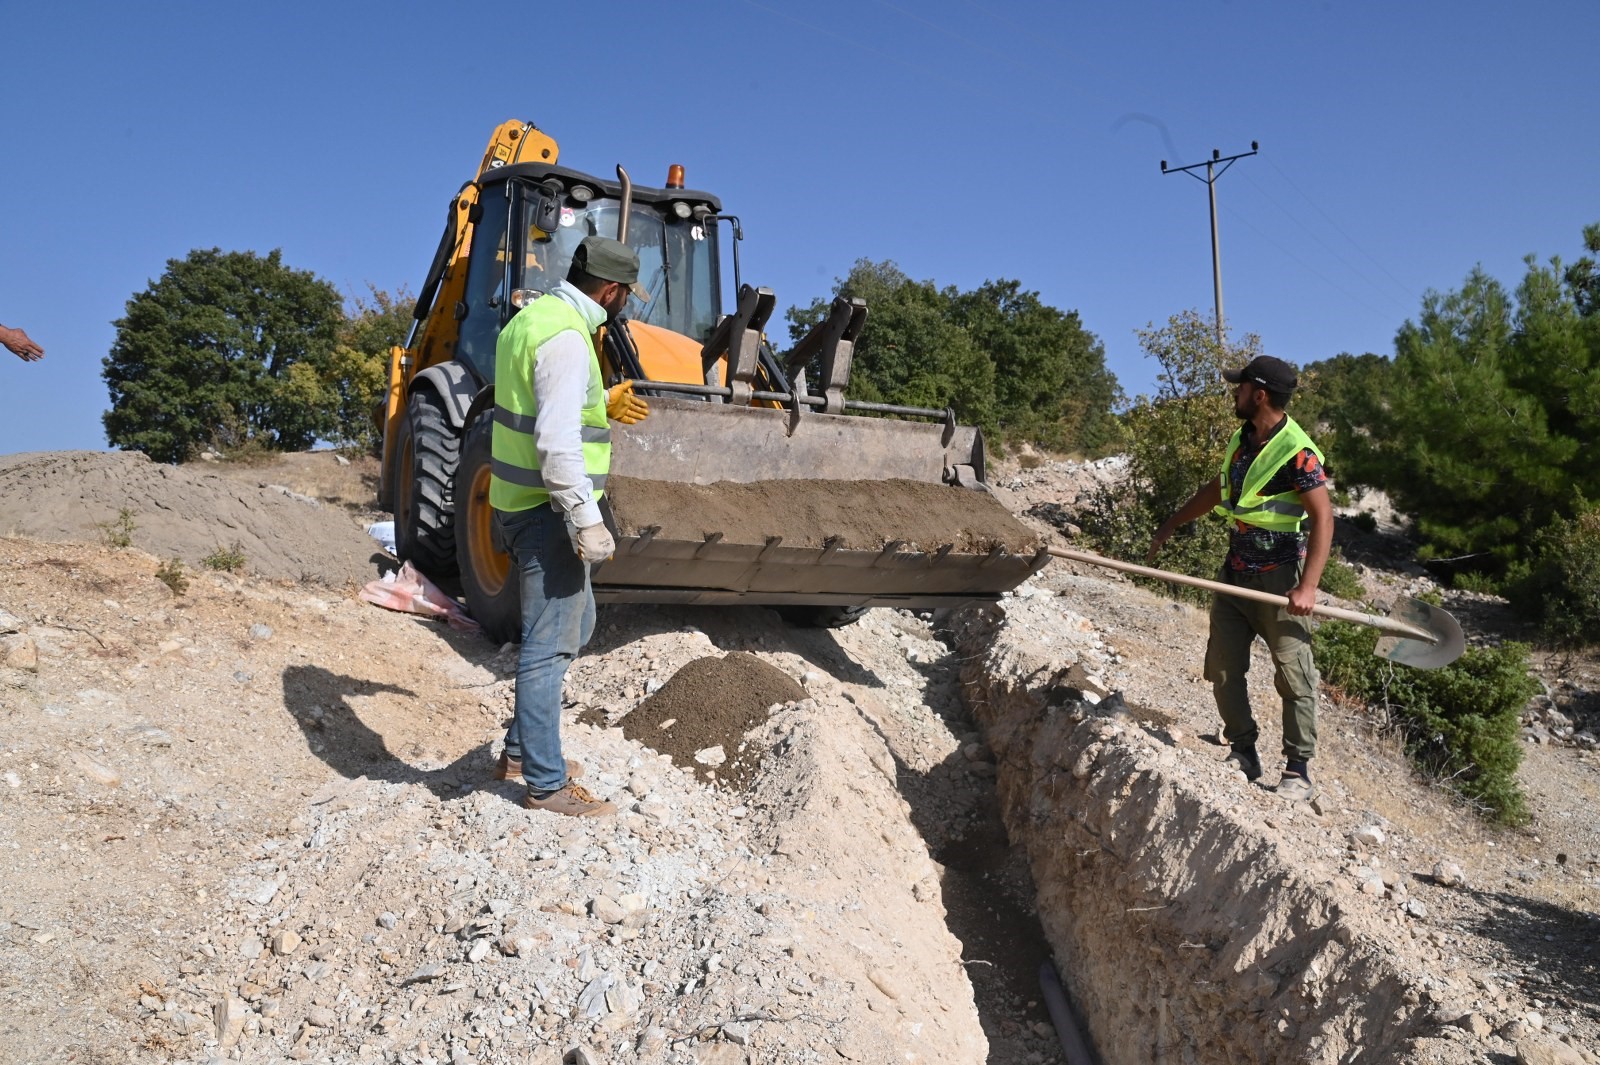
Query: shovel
point(1417, 634)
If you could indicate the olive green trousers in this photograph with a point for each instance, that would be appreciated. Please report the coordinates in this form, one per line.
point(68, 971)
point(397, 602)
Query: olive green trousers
point(1235, 623)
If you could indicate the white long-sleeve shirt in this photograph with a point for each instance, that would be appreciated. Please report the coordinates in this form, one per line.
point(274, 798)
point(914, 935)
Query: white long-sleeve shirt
point(561, 388)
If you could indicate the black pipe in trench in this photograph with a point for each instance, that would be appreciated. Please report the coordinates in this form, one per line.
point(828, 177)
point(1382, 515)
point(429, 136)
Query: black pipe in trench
point(1055, 999)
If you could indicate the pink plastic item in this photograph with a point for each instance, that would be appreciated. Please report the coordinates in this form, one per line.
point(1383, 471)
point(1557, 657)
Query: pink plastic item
point(410, 592)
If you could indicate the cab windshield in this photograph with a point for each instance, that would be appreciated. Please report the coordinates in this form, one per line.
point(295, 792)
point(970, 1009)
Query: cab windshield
point(677, 263)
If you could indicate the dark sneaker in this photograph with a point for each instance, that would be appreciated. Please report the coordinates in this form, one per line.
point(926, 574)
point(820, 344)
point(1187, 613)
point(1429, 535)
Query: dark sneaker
point(1245, 762)
point(574, 800)
point(1296, 788)
point(511, 769)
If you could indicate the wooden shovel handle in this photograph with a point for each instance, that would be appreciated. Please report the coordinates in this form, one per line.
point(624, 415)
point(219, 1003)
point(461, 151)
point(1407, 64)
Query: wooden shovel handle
point(1376, 621)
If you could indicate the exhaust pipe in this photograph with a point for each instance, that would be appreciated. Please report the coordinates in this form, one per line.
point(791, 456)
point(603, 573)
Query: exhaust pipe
point(627, 204)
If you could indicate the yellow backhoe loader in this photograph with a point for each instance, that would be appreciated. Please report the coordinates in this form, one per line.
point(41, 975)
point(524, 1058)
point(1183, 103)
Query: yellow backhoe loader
point(723, 408)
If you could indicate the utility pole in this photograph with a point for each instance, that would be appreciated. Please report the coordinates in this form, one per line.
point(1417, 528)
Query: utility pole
point(1212, 173)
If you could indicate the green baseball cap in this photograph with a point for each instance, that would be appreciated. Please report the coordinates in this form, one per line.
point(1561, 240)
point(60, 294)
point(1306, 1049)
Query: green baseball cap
point(611, 260)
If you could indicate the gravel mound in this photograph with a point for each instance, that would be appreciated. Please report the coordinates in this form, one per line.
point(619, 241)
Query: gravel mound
point(181, 512)
point(700, 716)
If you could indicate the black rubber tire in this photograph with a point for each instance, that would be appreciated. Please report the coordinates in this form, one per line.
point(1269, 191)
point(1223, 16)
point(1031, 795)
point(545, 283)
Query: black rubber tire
point(488, 576)
point(822, 617)
point(426, 454)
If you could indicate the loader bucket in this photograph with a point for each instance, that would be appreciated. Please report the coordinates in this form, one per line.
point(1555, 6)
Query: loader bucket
point(720, 503)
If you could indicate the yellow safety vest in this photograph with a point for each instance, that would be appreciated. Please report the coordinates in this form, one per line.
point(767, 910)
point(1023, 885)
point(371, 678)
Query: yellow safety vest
point(1278, 513)
point(515, 482)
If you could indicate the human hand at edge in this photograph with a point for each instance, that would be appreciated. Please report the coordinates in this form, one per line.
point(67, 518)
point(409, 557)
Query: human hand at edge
point(1161, 536)
point(1302, 600)
point(20, 344)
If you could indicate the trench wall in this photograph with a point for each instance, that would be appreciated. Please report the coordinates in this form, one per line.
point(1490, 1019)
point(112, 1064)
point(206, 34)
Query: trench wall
point(1181, 932)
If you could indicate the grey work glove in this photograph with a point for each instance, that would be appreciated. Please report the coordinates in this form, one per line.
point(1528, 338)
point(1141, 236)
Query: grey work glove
point(593, 542)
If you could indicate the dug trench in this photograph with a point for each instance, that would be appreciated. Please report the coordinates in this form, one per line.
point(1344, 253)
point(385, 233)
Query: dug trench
point(255, 821)
point(1195, 917)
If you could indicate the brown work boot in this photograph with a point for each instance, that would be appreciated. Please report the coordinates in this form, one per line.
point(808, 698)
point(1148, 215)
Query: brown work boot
point(574, 800)
point(509, 769)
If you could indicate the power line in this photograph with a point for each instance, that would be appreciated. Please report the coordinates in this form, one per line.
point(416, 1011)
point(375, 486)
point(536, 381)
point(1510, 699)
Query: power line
point(1407, 289)
point(1307, 267)
point(1347, 264)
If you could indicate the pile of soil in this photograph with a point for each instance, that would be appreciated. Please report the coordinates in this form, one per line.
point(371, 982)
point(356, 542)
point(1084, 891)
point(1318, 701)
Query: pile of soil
point(185, 512)
point(713, 702)
point(861, 515)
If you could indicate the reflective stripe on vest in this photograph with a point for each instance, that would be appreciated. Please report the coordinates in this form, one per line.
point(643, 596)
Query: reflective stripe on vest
point(534, 478)
point(515, 480)
point(1278, 513)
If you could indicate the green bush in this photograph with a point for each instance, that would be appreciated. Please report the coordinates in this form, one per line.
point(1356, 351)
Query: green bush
point(118, 532)
point(171, 574)
point(1339, 578)
point(1560, 586)
point(1365, 520)
point(230, 559)
point(1118, 521)
point(1459, 723)
point(1480, 583)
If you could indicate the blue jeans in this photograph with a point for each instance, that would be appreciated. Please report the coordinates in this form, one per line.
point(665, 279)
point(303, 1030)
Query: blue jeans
point(557, 620)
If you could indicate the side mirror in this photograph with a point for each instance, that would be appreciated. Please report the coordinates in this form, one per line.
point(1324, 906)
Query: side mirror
point(545, 209)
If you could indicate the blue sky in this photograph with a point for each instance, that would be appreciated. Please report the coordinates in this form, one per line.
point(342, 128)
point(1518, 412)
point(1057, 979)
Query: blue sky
point(1401, 144)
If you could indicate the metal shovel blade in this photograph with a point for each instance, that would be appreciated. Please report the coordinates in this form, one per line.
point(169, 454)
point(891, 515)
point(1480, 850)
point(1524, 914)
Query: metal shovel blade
point(1420, 653)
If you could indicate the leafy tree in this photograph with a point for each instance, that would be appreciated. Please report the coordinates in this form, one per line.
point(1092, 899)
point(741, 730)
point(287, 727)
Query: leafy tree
point(1335, 402)
point(1559, 585)
point(1003, 359)
point(357, 370)
point(911, 351)
point(1479, 426)
point(1051, 383)
point(225, 346)
point(1583, 278)
point(1177, 439)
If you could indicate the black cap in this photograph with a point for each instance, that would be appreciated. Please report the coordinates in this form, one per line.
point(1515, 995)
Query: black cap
point(1272, 374)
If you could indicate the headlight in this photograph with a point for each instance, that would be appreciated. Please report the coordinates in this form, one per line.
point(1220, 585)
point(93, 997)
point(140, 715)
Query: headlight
point(681, 209)
point(581, 193)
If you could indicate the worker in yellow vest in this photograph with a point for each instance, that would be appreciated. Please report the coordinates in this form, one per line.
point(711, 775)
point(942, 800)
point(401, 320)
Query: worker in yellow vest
point(1272, 481)
point(551, 456)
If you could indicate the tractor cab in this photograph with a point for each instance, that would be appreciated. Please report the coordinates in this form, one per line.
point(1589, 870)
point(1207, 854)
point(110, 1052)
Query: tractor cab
point(532, 219)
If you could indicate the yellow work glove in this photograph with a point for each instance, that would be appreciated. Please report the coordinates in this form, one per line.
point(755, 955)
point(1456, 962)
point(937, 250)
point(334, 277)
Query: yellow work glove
point(625, 407)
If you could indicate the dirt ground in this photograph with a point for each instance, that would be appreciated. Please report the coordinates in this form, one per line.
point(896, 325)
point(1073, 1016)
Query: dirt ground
point(255, 821)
